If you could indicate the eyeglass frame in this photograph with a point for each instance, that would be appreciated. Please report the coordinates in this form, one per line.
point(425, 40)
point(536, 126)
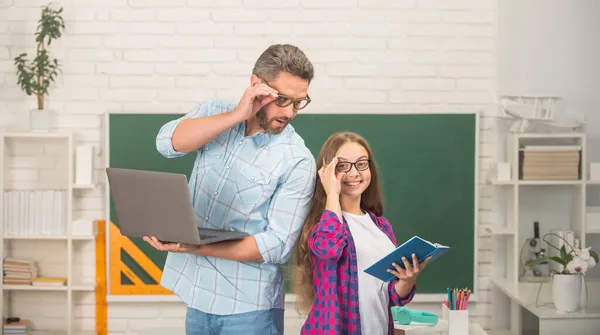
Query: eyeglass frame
point(293, 101)
point(354, 164)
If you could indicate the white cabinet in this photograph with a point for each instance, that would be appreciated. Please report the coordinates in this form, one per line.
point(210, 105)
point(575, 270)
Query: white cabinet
point(548, 192)
point(36, 211)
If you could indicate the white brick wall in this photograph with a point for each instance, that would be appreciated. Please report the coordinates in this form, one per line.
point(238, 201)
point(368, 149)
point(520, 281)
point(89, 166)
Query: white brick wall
point(166, 55)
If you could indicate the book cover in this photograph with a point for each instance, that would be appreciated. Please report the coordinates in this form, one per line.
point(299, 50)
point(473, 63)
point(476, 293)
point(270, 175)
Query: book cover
point(415, 245)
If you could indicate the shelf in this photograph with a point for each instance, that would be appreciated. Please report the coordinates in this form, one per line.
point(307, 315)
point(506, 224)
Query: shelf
point(540, 182)
point(543, 312)
point(37, 135)
point(83, 237)
point(59, 332)
point(33, 288)
point(550, 182)
point(84, 287)
point(35, 237)
point(49, 237)
point(50, 150)
point(83, 186)
point(556, 205)
point(549, 135)
point(77, 287)
point(499, 231)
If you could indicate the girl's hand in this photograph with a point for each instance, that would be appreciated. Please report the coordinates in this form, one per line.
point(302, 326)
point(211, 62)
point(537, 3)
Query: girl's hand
point(331, 183)
point(409, 273)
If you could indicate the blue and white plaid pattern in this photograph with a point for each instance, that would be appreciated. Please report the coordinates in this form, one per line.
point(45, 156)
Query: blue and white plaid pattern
point(261, 184)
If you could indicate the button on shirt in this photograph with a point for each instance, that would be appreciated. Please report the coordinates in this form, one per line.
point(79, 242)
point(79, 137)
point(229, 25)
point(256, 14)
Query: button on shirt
point(261, 184)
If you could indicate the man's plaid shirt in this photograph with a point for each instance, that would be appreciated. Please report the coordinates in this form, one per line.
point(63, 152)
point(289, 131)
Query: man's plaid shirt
point(261, 184)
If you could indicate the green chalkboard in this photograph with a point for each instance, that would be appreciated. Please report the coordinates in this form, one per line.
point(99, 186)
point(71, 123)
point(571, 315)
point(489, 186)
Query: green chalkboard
point(427, 166)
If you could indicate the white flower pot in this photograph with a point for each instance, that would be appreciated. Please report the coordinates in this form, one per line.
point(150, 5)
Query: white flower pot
point(41, 120)
point(566, 292)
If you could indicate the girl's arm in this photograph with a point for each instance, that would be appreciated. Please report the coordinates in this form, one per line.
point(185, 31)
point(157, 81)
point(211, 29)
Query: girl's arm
point(395, 298)
point(327, 239)
point(404, 293)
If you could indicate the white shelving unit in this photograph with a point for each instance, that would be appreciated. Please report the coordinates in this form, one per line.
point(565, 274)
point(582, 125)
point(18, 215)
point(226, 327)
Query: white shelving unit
point(555, 204)
point(12, 241)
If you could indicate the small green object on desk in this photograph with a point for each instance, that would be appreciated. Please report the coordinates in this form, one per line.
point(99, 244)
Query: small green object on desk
point(405, 316)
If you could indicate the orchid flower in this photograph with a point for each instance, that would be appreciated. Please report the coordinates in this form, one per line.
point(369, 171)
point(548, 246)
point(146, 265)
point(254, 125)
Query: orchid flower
point(585, 255)
point(573, 261)
point(577, 265)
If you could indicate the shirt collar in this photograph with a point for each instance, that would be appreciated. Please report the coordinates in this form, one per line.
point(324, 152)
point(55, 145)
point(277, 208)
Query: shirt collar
point(261, 138)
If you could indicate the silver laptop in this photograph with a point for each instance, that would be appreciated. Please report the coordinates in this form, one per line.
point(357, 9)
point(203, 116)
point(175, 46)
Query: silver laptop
point(149, 203)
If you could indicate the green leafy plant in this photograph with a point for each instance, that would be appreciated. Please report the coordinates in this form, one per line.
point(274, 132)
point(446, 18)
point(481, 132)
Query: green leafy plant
point(35, 76)
point(573, 260)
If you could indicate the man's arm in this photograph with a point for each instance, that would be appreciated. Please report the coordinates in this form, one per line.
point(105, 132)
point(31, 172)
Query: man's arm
point(244, 250)
point(200, 126)
point(287, 213)
point(191, 134)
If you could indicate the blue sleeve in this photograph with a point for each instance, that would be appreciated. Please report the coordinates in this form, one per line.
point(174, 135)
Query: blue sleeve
point(288, 210)
point(164, 139)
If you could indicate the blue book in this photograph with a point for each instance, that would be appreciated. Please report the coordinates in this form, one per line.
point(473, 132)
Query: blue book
point(416, 245)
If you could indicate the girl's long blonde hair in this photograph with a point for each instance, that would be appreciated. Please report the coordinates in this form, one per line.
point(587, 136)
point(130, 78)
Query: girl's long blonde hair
point(371, 200)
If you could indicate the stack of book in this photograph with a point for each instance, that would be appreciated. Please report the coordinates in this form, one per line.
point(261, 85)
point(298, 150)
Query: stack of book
point(34, 213)
point(555, 162)
point(19, 271)
point(21, 327)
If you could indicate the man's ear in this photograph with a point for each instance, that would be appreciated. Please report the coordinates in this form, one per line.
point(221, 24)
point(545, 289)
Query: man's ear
point(254, 80)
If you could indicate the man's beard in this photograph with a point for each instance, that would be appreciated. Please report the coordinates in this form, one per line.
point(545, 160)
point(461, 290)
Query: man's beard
point(267, 125)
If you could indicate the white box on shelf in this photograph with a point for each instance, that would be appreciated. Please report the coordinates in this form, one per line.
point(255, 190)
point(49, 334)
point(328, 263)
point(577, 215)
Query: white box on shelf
point(83, 228)
point(592, 218)
point(595, 171)
point(503, 171)
point(84, 164)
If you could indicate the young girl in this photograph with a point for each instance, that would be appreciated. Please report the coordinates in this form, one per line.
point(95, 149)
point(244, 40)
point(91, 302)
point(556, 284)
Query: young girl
point(344, 233)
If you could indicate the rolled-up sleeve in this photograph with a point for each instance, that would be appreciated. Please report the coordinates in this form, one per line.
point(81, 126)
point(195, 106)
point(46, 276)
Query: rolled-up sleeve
point(327, 240)
point(287, 212)
point(164, 139)
point(395, 299)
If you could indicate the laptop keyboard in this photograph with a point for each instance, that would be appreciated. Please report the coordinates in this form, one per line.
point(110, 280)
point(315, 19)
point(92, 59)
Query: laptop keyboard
point(203, 236)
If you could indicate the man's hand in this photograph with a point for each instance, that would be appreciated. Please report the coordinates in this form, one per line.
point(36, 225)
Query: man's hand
point(171, 247)
point(254, 98)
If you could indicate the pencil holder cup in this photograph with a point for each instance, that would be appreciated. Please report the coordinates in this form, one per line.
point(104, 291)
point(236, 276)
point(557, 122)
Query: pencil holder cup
point(458, 321)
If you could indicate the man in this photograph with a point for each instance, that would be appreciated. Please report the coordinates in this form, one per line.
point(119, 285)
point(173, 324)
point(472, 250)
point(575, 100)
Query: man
point(252, 173)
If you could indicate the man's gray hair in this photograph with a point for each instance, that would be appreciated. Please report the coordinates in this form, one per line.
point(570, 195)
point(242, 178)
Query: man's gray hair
point(283, 57)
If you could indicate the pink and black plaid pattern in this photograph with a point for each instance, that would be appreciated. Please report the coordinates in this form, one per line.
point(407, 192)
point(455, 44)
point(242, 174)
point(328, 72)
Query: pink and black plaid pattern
point(333, 254)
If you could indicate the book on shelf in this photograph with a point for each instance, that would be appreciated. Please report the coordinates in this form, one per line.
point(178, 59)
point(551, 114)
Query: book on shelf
point(19, 271)
point(50, 281)
point(34, 212)
point(550, 162)
point(21, 327)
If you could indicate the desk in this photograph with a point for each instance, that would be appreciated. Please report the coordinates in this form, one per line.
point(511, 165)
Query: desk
point(438, 329)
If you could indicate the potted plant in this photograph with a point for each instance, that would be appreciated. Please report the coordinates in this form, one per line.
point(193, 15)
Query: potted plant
point(35, 76)
point(566, 283)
